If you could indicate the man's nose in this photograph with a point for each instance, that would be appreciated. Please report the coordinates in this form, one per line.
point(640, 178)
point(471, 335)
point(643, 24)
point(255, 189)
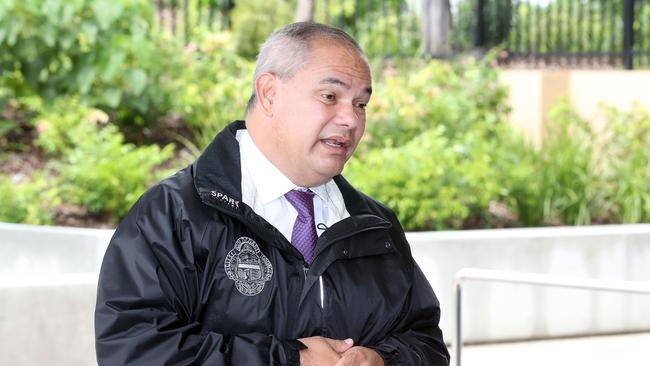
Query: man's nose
point(347, 116)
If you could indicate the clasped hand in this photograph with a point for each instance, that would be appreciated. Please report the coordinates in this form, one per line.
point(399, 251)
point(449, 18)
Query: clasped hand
point(333, 352)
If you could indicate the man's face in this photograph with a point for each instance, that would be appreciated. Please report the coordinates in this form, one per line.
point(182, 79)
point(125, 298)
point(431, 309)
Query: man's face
point(319, 113)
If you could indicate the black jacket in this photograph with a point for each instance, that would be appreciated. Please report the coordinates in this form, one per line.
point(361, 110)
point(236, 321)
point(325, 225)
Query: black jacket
point(193, 276)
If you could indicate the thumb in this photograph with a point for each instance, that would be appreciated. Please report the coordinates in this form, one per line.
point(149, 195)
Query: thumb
point(340, 346)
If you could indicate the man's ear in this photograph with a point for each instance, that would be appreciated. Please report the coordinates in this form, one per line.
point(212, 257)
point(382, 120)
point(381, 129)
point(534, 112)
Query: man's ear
point(265, 88)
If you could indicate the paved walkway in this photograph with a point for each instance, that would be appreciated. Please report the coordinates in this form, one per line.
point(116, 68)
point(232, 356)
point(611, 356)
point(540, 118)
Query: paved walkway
point(627, 350)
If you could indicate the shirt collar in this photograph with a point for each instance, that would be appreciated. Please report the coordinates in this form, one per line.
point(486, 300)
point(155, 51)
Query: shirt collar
point(268, 180)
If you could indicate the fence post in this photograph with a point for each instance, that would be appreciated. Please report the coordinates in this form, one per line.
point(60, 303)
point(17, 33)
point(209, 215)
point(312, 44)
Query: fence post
point(186, 21)
point(628, 34)
point(481, 24)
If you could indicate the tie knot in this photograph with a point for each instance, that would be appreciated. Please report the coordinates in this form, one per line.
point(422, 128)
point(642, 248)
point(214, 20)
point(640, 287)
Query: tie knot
point(302, 201)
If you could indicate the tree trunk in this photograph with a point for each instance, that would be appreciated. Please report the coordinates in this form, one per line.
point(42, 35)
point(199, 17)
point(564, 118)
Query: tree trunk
point(305, 11)
point(436, 24)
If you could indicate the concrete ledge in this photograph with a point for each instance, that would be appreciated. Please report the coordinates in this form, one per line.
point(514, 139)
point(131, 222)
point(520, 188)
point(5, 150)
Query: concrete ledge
point(48, 323)
point(48, 284)
point(499, 312)
point(31, 250)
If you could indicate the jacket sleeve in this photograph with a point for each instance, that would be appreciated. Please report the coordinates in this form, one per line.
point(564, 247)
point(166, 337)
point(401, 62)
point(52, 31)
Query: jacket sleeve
point(148, 289)
point(417, 338)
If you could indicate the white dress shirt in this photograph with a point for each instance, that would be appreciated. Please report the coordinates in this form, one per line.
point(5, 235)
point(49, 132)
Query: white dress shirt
point(263, 188)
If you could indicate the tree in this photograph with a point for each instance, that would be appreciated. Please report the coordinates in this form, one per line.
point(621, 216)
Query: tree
point(436, 24)
point(305, 11)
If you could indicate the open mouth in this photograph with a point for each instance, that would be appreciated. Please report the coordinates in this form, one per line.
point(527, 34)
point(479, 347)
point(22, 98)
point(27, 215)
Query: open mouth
point(336, 144)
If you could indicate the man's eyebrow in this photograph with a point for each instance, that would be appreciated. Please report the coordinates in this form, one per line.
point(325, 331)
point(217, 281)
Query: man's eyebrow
point(336, 81)
point(333, 80)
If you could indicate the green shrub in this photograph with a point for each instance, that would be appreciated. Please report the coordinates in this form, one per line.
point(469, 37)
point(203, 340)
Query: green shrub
point(105, 175)
point(213, 87)
point(627, 159)
point(516, 166)
point(101, 50)
point(431, 144)
point(582, 176)
point(414, 97)
point(31, 201)
point(254, 20)
point(16, 123)
point(432, 182)
point(95, 168)
point(570, 180)
point(562, 182)
point(439, 153)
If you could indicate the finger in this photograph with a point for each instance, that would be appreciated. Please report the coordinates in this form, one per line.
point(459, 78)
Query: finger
point(343, 361)
point(340, 346)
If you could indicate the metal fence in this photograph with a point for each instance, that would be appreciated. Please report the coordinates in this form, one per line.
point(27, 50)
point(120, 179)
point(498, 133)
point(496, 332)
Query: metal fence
point(383, 27)
point(541, 33)
point(609, 33)
point(182, 16)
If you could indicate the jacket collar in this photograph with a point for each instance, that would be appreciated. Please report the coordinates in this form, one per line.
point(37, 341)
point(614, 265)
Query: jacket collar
point(217, 179)
point(217, 172)
point(218, 175)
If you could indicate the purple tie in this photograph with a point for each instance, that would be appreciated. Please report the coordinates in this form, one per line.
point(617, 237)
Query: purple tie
point(303, 236)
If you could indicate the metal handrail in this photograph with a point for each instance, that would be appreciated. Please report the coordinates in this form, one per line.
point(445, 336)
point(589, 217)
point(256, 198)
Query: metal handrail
point(536, 279)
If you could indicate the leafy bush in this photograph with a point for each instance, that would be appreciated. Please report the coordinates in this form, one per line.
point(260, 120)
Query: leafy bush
point(565, 185)
point(627, 158)
point(105, 175)
point(30, 202)
point(432, 145)
point(417, 96)
point(580, 176)
point(432, 182)
point(95, 168)
point(441, 155)
point(213, 87)
point(254, 20)
point(102, 50)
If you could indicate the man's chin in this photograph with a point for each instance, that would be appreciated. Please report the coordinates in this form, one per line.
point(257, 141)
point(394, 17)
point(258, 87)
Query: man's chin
point(331, 172)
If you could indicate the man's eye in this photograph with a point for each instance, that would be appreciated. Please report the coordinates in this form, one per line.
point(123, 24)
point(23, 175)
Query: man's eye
point(362, 105)
point(329, 97)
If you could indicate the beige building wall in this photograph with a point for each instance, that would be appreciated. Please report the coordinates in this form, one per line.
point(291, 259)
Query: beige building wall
point(533, 93)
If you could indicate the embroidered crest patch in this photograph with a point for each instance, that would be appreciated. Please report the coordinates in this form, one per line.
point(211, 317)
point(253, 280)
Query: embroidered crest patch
point(248, 267)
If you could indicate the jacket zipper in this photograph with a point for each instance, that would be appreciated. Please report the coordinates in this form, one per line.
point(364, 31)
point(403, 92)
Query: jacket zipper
point(320, 285)
point(322, 292)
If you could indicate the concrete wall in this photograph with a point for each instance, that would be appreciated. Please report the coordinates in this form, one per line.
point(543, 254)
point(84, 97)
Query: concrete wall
point(494, 312)
point(533, 92)
point(48, 285)
point(48, 322)
point(48, 282)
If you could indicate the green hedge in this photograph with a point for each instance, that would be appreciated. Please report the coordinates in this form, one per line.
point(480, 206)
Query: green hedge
point(90, 166)
point(76, 75)
point(440, 153)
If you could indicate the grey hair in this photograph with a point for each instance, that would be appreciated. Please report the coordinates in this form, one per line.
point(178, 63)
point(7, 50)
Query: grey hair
point(288, 48)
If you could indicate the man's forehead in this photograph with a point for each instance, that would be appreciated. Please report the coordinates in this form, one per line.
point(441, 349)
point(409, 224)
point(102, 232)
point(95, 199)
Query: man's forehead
point(322, 48)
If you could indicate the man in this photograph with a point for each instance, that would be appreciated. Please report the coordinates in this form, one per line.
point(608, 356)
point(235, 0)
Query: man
point(260, 253)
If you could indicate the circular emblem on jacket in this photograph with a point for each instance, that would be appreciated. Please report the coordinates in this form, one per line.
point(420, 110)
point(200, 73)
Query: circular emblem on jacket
point(248, 267)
